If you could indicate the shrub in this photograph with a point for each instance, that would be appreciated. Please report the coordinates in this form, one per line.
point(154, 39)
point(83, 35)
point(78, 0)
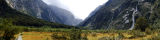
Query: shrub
point(148, 31)
point(155, 38)
point(141, 24)
point(56, 36)
point(156, 25)
point(8, 29)
point(85, 37)
point(75, 34)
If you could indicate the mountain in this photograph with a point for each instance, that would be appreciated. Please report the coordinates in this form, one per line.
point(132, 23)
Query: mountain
point(86, 21)
point(122, 14)
point(39, 9)
point(21, 19)
point(92, 13)
point(65, 16)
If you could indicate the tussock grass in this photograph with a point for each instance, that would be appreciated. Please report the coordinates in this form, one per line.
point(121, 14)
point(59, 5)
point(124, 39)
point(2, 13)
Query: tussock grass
point(94, 35)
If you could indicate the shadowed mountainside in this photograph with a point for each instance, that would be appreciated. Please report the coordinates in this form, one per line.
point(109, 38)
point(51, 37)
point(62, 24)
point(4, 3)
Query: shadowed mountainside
point(21, 19)
point(122, 14)
point(39, 9)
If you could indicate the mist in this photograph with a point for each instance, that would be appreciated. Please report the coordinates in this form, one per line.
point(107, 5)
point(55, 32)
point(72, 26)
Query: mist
point(56, 3)
point(80, 8)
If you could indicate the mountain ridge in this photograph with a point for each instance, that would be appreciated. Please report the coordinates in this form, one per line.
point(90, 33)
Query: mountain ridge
point(122, 14)
point(21, 19)
point(39, 9)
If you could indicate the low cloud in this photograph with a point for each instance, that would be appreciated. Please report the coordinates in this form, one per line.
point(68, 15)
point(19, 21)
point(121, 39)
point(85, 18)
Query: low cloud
point(56, 3)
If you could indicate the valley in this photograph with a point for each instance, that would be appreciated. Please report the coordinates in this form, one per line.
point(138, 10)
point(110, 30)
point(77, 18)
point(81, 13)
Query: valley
point(114, 20)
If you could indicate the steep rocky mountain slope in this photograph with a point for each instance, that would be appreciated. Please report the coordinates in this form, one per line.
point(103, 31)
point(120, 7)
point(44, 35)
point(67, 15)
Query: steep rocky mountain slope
point(65, 16)
point(39, 9)
point(21, 19)
point(122, 14)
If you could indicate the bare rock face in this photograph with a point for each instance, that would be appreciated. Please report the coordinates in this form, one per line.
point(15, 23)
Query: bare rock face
point(122, 14)
point(39, 9)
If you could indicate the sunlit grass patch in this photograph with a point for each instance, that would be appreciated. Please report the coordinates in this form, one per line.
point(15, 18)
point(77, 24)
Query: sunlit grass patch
point(1, 33)
point(126, 35)
point(36, 36)
point(97, 36)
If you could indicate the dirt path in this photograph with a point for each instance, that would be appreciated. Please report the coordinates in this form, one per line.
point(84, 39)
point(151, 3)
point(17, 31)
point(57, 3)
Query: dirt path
point(20, 36)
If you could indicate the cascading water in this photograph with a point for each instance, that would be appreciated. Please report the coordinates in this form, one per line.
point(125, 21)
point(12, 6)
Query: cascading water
point(133, 18)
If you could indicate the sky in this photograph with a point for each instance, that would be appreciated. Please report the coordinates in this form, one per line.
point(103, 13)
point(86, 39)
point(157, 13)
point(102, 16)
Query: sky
point(80, 8)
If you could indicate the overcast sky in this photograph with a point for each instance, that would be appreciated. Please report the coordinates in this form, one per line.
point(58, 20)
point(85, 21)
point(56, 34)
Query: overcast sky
point(80, 8)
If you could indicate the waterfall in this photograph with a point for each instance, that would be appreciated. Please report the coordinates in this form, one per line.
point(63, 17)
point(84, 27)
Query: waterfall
point(133, 18)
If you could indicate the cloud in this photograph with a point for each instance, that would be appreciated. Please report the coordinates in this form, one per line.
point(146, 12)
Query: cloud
point(51, 2)
point(80, 8)
point(55, 3)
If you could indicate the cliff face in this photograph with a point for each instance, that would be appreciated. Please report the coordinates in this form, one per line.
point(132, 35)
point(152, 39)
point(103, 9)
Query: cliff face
point(65, 16)
point(122, 14)
point(39, 9)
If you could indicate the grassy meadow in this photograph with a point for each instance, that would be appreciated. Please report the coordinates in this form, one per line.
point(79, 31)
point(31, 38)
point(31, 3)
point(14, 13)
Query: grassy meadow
point(92, 35)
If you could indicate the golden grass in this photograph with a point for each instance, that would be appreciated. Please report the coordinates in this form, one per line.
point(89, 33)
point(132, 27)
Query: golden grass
point(16, 36)
point(146, 37)
point(127, 35)
point(1, 33)
point(90, 36)
point(36, 36)
point(97, 36)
